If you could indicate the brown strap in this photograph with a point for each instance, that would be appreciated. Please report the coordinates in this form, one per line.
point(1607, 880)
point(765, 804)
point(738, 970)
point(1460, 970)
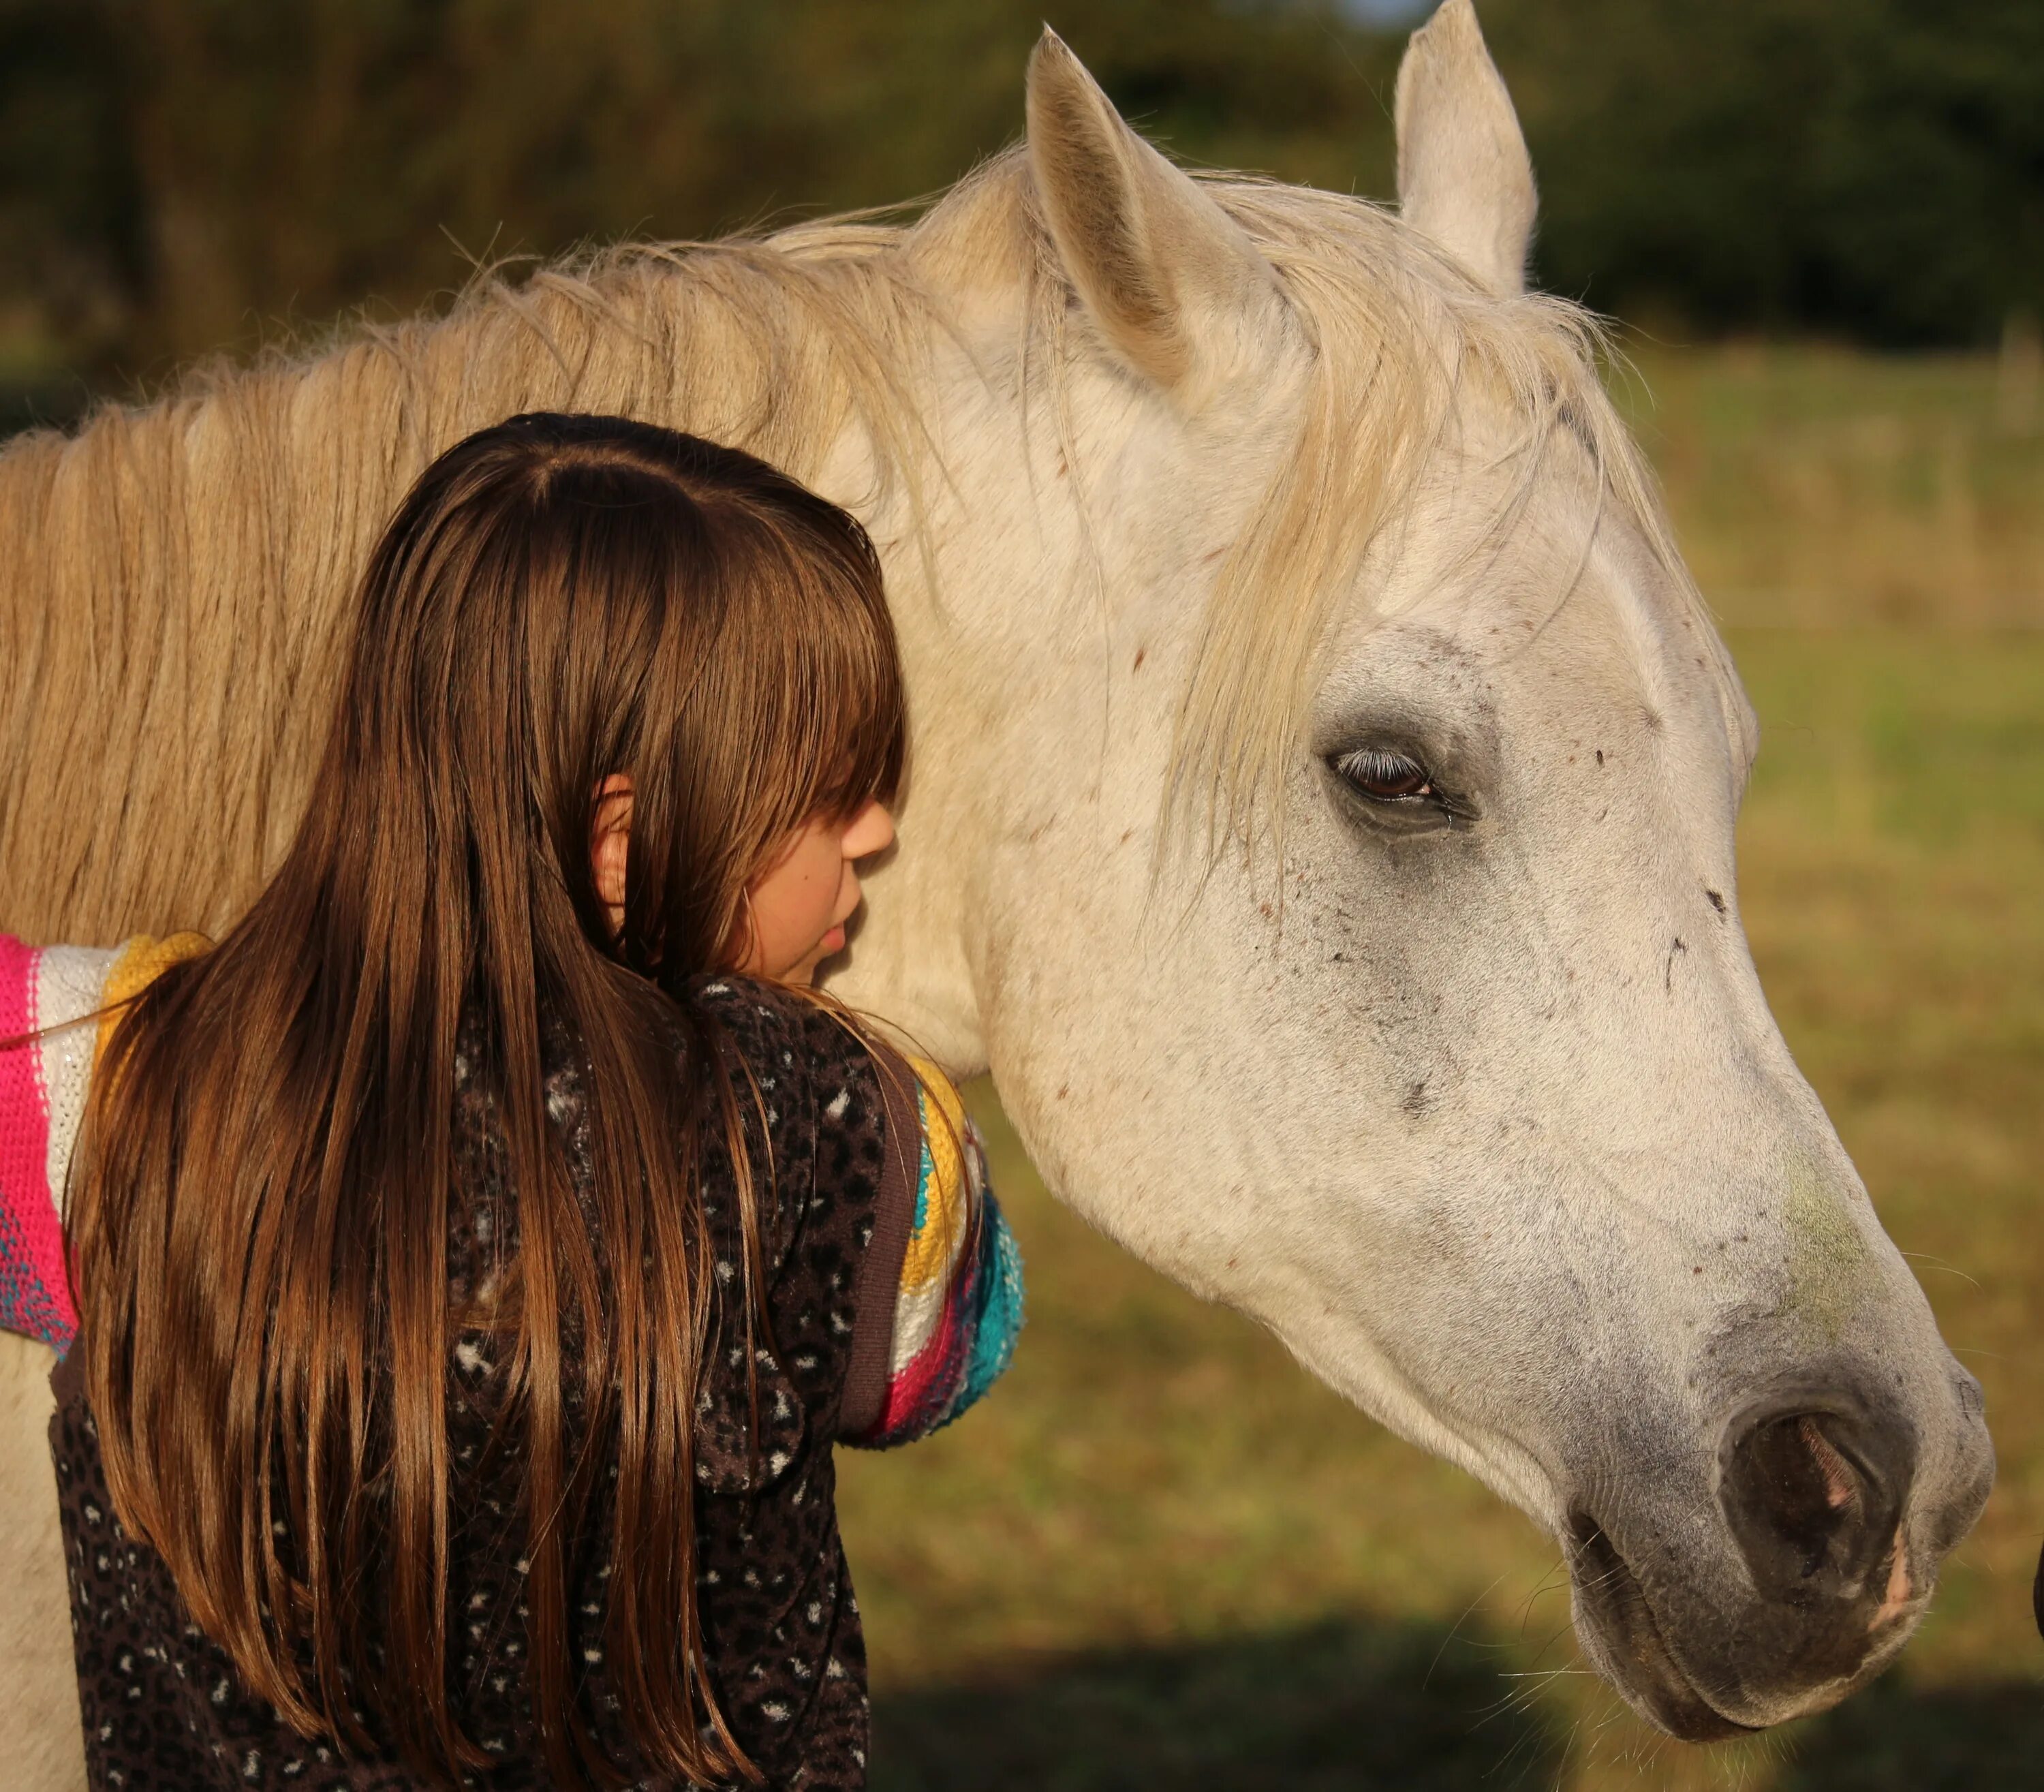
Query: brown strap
point(865, 1392)
point(67, 1378)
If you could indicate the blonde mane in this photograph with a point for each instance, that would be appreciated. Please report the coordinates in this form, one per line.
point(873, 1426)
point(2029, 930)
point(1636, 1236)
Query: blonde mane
point(179, 574)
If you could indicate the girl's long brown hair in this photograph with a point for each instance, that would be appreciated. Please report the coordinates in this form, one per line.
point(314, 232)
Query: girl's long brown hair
point(261, 1199)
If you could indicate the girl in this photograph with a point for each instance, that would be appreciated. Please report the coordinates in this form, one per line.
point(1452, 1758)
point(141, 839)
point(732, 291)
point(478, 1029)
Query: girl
point(478, 1250)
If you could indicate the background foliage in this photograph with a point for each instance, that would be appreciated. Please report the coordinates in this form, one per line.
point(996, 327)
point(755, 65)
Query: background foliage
point(178, 175)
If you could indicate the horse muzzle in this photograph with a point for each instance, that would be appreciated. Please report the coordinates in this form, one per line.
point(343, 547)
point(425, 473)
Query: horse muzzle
point(1822, 1559)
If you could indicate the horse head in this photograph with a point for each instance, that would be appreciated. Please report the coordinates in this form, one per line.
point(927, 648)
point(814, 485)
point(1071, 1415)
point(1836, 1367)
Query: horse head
point(1322, 819)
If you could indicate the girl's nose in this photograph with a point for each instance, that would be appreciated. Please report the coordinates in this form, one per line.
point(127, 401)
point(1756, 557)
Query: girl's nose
point(872, 831)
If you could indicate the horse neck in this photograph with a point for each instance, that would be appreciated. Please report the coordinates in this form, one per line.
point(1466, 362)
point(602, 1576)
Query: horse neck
point(1008, 639)
point(911, 962)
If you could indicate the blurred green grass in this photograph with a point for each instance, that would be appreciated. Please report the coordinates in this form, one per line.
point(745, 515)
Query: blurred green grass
point(1160, 1556)
point(1812, 487)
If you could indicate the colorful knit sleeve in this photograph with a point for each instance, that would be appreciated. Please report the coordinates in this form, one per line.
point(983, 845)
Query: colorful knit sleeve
point(950, 1327)
point(53, 1026)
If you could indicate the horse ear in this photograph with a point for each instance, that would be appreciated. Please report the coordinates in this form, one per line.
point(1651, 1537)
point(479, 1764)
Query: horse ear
point(1174, 284)
point(1464, 177)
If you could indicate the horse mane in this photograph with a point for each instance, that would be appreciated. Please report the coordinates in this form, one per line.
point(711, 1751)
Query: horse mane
point(179, 574)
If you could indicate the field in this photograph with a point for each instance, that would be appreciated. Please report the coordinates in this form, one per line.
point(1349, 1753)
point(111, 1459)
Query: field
point(1161, 1557)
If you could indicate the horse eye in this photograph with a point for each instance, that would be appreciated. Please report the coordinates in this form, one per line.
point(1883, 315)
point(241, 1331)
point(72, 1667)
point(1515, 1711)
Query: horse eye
point(1385, 777)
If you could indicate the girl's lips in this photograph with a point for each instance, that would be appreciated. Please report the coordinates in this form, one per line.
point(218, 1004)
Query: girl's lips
point(833, 941)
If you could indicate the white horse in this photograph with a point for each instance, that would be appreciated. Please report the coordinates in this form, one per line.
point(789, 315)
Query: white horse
point(1321, 821)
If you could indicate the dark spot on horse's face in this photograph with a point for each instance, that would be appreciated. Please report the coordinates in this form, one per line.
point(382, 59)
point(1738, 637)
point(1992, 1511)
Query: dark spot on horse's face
point(1678, 947)
point(1417, 1102)
point(1599, 753)
point(1717, 902)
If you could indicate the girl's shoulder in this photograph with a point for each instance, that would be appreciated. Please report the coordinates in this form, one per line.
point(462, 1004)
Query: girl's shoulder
point(829, 1097)
point(775, 1024)
point(825, 1084)
point(881, 1177)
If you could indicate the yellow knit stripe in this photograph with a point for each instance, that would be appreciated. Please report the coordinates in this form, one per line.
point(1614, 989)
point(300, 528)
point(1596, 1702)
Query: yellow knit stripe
point(142, 960)
point(934, 1245)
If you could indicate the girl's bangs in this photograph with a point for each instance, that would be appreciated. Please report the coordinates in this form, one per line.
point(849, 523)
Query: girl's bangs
point(853, 738)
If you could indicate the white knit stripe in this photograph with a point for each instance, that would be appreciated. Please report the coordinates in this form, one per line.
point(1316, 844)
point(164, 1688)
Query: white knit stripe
point(919, 1307)
point(918, 1313)
point(68, 982)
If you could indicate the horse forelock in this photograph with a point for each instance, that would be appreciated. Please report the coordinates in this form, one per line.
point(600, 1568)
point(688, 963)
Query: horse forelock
point(1405, 340)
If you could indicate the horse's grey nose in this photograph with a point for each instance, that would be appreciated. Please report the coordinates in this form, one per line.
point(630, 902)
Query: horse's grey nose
point(1815, 1498)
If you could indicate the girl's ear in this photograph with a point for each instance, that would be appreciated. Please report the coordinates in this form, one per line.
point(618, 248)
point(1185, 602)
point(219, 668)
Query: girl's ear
point(610, 845)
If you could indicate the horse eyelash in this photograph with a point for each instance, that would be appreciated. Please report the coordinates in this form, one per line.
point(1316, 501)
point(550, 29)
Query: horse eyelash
point(1380, 761)
point(1450, 806)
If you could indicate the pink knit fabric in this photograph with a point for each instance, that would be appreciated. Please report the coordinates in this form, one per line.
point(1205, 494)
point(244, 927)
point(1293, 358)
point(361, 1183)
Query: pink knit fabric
point(35, 1291)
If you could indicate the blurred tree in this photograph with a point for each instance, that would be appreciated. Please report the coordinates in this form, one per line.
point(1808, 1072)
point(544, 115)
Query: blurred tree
point(1872, 169)
point(224, 164)
point(70, 212)
point(177, 175)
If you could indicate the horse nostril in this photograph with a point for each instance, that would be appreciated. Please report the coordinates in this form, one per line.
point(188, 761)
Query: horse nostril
point(1813, 1504)
point(1806, 1489)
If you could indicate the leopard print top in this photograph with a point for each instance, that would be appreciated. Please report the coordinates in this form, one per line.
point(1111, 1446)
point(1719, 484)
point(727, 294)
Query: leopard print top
point(162, 1705)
